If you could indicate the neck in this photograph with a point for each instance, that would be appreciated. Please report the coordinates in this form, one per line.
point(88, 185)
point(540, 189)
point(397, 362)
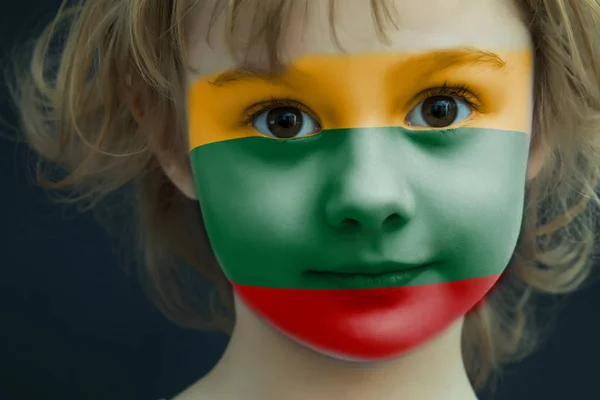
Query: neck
point(261, 363)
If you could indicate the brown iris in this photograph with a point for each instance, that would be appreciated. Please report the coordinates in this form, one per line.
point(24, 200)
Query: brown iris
point(439, 111)
point(285, 122)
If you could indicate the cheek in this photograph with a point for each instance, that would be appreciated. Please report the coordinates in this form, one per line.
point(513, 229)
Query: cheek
point(482, 221)
point(477, 206)
point(258, 207)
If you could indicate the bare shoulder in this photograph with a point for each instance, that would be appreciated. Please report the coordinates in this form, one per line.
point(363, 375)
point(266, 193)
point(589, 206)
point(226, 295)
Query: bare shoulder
point(189, 394)
point(195, 393)
point(204, 389)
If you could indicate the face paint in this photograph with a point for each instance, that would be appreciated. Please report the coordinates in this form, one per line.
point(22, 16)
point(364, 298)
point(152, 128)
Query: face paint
point(363, 203)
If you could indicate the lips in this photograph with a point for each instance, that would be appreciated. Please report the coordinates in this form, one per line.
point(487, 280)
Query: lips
point(371, 275)
point(373, 268)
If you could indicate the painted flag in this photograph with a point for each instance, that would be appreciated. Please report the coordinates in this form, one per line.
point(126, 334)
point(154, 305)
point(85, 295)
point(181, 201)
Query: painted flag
point(368, 229)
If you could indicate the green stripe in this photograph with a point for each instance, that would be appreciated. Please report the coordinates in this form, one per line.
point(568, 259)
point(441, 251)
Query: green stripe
point(265, 202)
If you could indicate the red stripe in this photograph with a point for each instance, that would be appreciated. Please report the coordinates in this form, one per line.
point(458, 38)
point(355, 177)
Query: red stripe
point(366, 324)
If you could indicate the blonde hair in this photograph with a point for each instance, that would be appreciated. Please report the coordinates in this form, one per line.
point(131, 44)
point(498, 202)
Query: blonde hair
point(75, 110)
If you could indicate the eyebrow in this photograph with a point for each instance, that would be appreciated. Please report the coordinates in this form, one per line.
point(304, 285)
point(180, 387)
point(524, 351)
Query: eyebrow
point(246, 73)
point(441, 60)
point(427, 64)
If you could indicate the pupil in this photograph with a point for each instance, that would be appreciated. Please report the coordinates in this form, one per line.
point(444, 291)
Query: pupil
point(439, 111)
point(287, 120)
point(284, 122)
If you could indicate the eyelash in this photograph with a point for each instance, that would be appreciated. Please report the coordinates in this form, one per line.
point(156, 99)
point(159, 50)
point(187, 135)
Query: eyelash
point(253, 112)
point(463, 92)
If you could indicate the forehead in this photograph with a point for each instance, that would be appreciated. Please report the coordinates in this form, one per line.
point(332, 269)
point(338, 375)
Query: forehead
point(415, 26)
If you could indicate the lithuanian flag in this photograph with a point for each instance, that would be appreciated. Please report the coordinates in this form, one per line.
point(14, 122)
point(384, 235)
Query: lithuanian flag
point(368, 232)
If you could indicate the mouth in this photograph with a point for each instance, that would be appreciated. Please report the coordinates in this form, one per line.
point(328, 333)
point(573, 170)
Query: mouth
point(363, 277)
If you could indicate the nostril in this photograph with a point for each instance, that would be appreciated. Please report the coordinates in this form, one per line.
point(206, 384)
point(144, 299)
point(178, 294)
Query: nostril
point(349, 223)
point(392, 219)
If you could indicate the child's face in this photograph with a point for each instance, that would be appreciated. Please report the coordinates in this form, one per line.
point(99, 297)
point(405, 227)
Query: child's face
point(361, 203)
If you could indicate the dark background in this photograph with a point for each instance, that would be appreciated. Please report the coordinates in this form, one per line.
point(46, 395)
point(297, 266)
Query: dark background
point(74, 325)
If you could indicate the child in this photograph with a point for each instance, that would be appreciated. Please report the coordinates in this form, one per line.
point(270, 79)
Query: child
point(377, 188)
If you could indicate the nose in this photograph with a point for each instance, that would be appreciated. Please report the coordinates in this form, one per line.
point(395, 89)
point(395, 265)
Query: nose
point(369, 191)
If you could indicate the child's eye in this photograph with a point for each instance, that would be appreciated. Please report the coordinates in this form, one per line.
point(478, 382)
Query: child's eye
point(439, 112)
point(285, 122)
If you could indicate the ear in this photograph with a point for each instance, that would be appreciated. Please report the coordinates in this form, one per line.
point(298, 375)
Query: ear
point(536, 162)
point(180, 174)
point(537, 157)
point(177, 169)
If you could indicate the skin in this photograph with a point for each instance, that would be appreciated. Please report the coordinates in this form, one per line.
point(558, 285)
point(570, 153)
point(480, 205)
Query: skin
point(433, 370)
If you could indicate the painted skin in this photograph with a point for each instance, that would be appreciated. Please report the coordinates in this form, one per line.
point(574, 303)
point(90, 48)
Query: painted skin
point(361, 204)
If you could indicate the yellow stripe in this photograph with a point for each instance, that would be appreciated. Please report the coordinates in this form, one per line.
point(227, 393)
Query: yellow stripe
point(367, 90)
